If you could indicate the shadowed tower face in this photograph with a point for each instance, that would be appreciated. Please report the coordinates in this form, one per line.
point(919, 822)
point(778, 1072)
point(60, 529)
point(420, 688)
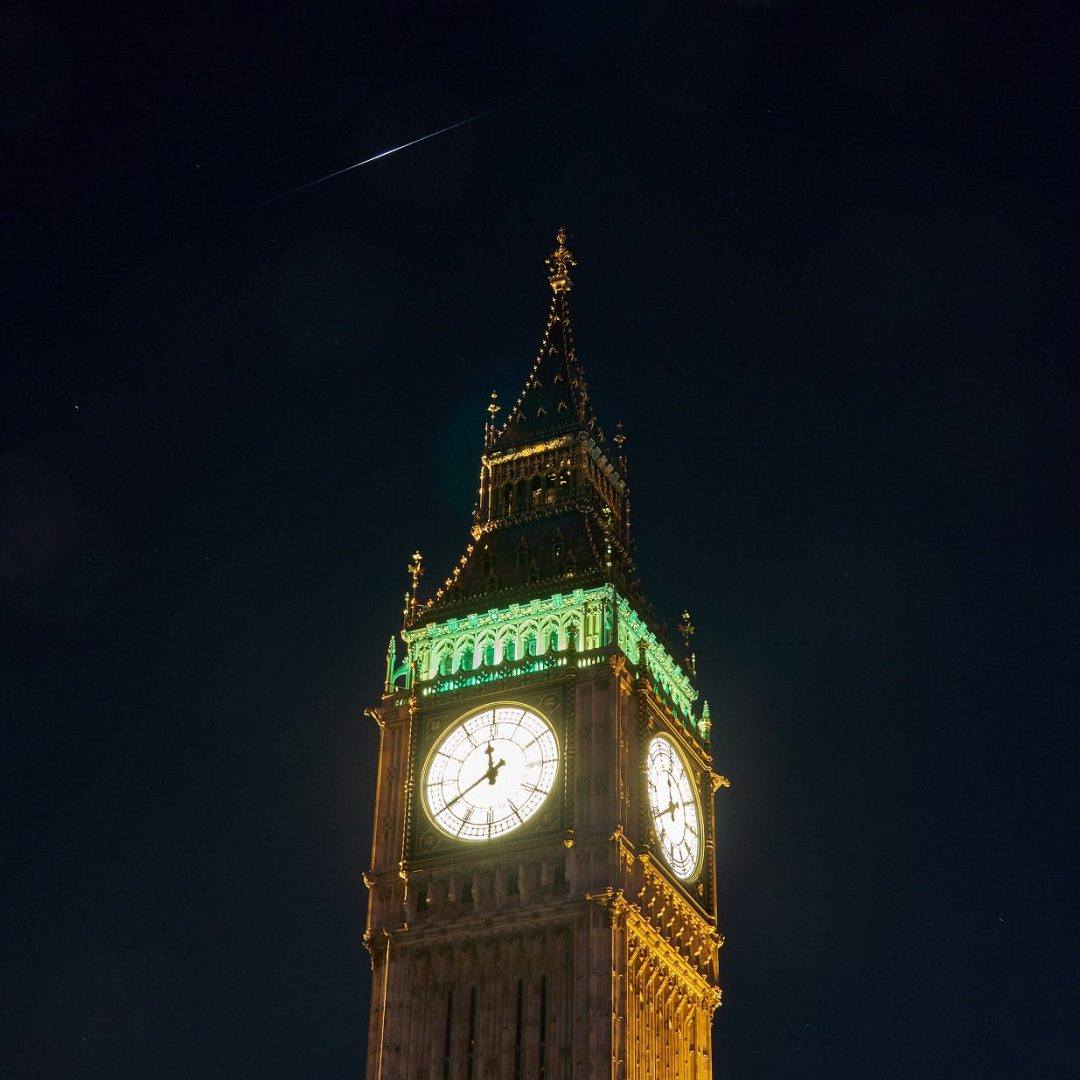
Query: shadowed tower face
point(542, 885)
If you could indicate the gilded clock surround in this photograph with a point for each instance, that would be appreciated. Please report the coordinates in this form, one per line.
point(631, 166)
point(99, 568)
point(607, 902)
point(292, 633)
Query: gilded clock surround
point(566, 947)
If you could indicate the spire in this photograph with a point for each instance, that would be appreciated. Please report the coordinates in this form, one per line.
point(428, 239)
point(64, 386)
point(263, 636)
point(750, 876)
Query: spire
point(554, 398)
point(553, 509)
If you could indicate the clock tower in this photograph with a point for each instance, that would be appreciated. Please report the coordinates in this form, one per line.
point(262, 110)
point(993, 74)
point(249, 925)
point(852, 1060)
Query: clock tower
point(542, 891)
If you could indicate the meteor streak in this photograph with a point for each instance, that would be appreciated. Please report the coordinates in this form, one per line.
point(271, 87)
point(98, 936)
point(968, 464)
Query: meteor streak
point(384, 153)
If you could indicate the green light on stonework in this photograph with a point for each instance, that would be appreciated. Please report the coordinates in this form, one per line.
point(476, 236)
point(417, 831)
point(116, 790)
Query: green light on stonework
point(492, 645)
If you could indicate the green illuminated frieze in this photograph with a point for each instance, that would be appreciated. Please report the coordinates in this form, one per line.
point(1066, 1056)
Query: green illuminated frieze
point(667, 676)
point(520, 639)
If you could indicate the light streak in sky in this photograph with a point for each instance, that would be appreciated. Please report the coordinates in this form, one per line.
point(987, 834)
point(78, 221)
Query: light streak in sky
point(382, 154)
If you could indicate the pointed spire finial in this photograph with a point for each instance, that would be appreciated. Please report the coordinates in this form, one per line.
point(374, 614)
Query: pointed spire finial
point(415, 570)
point(493, 409)
point(686, 629)
point(559, 264)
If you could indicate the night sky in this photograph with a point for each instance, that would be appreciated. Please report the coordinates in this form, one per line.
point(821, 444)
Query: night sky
point(824, 281)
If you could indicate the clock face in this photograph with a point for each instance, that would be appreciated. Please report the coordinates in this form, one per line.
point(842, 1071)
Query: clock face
point(491, 772)
point(673, 808)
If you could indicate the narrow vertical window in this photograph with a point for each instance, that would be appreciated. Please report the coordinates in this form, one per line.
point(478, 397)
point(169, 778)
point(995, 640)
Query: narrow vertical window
point(517, 1036)
point(543, 1025)
point(446, 1036)
point(472, 1033)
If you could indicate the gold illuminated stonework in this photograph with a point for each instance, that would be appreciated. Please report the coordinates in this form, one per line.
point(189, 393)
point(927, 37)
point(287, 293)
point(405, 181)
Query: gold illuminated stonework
point(559, 264)
point(564, 946)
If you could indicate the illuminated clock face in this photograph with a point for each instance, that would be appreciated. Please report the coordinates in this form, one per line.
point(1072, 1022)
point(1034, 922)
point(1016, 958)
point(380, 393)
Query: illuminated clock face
point(491, 772)
point(673, 807)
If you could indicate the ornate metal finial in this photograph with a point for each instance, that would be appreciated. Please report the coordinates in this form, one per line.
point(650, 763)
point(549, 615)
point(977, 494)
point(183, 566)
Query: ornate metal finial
point(607, 526)
point(416, 570)
point(686, 629)
point(489, 425)
point(559, 264)
point(619, 437)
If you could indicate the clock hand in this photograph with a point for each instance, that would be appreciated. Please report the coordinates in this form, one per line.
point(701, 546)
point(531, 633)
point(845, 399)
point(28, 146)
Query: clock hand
point(486, 775)
point(490, 774)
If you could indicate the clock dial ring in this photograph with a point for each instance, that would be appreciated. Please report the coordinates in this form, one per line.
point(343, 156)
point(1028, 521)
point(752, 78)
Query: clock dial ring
point(674, 808)
point(490, 771)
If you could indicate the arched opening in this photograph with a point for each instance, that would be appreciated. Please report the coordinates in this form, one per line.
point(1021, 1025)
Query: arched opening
point(466, 661)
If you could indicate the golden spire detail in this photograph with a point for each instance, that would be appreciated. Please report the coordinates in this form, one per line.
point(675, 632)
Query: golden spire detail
point(415, 570)
point(559, 264)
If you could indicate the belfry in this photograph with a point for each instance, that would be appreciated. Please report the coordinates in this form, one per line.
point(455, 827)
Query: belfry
point(542, 891)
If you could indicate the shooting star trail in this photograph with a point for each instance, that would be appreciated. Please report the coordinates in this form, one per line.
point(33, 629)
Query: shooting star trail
point(384, 153)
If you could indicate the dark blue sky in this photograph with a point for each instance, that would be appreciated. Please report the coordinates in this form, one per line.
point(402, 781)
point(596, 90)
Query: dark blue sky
point(824, 281)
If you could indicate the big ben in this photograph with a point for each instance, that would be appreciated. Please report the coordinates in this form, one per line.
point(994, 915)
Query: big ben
point(542, 890)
